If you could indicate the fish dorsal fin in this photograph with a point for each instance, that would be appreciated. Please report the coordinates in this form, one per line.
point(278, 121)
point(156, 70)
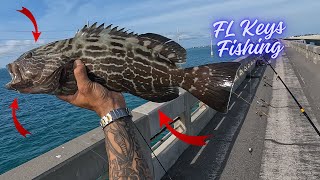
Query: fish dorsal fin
point(94, 31)
point(164, 46)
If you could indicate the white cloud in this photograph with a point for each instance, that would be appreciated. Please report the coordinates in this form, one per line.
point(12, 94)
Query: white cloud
point(11, 49)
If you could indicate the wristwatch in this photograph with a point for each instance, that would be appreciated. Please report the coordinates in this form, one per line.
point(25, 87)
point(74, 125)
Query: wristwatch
point(114, 115)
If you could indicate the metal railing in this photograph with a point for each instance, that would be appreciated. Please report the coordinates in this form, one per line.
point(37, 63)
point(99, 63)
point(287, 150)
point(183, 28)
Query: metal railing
point(312, 52)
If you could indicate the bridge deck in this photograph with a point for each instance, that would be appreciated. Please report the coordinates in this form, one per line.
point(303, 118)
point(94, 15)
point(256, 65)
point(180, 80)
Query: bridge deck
point(284, 144)
point(208, 162)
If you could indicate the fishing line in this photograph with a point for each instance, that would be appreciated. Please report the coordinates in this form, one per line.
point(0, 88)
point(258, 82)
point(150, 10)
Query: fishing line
point(238, 96)
point(16, 45)
point(166, 172)
point(98, 153)
point(268, 104)
point(267, 78)
point(51, 38)
point(260, 101)
point(163, 129)
point(264, 102)
point(255, 96)
point(28, 31)
point(42, 107)
point(260, 111)
point(266, 83)
point(295, 99)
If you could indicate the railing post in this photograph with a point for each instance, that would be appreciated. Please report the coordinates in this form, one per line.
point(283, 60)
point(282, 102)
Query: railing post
point(185, 117)
point(142, 123)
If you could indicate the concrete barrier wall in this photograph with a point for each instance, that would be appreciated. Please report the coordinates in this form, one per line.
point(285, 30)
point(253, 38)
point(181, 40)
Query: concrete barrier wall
point(311, 52)
point(84, 158)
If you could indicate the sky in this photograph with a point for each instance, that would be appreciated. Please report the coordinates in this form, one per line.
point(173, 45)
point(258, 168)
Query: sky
point(192, 19)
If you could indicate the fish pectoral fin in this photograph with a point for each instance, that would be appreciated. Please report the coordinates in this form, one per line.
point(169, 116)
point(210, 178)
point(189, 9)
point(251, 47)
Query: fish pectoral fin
point(96, 78)
point(159, 95)
point(164, 46)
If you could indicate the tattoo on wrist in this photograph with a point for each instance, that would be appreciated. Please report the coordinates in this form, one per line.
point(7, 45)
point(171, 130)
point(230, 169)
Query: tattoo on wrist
point(126, 159)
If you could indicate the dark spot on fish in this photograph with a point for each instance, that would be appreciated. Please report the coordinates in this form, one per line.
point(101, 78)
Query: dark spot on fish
point(128, 74)
point(117, 38)
point(78, 54)
point(139, 72)
point(156, 82)
point(157, 74)
point(128, 85)
point(92, 40)
point(71, 41)
point(112, 60)
point(130, 53)
point(96, 48)
point(51, 45)
point(87, 60)
point(112, 68)
point(143, 69)
point(68, 48)
point(115, 77)
point(95, 54)
point(160, 67)
point(141, 42)
point(165, 61)
point(129, 60)
point(118, 51)
point(142, 80)
point(143, 61)
point(143, 53)
point(79, 46)
point(116, 44)
point(63, 44)
point(39, 66)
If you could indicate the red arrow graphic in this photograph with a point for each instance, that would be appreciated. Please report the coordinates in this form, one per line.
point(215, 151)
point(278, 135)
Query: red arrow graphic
point(26, 12)
point(194, 140)
point(19, 127)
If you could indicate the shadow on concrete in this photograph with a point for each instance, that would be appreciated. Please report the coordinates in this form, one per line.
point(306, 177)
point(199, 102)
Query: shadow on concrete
point(208, 162)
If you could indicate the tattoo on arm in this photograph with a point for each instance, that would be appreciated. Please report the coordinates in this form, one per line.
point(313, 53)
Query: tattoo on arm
point(126, 159)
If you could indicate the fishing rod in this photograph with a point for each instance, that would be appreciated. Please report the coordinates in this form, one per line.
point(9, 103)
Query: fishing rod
point(295, 99)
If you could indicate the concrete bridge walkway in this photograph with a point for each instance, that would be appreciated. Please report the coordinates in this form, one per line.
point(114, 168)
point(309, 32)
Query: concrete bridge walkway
point(261, 141)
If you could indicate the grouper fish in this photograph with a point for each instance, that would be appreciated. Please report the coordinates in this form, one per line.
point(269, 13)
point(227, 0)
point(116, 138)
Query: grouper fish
point(144, 65)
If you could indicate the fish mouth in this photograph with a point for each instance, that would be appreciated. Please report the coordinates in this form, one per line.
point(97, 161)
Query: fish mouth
point(16, 76)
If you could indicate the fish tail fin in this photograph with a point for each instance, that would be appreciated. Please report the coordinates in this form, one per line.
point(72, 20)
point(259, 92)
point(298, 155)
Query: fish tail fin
point(211, 83)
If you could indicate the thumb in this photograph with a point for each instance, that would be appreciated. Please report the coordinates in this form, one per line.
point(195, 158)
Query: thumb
point(80, 74)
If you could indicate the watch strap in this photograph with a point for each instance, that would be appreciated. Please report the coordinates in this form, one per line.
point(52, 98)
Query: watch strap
point(114, 115)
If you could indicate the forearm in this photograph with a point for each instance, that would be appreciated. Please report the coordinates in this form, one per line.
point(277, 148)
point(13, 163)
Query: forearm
point(126, 158)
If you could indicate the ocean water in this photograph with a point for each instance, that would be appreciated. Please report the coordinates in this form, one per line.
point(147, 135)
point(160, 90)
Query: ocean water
point(53, 122)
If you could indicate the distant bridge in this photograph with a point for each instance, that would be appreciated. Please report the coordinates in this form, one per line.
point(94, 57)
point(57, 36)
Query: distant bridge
point(307, 39)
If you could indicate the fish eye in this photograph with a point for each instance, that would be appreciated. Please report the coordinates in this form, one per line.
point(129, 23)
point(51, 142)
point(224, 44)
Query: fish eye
point(29, 55)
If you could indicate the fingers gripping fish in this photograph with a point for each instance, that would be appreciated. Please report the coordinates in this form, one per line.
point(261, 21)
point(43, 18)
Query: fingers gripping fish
point(143, 65)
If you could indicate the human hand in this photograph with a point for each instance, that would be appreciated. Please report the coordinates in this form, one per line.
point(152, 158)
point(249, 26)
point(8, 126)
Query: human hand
point(92, 95)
